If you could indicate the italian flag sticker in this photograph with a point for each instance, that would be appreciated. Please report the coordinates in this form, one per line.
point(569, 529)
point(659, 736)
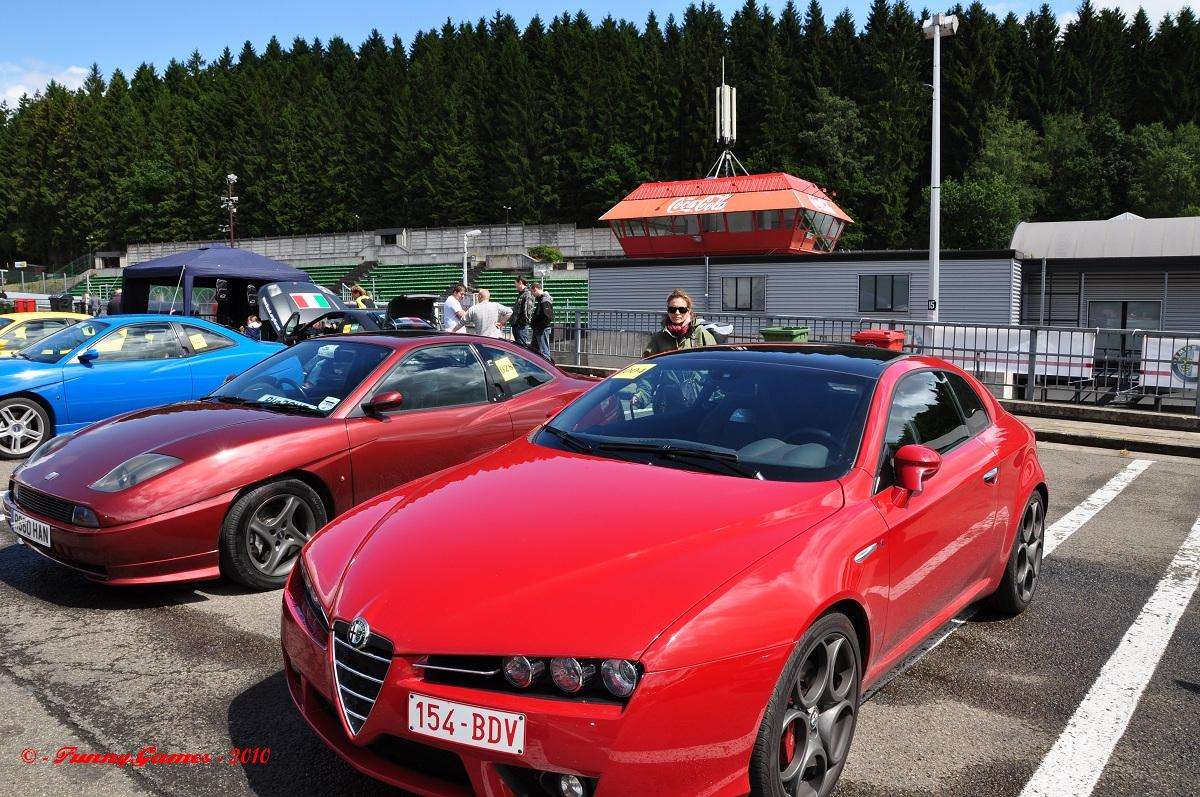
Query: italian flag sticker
point(306, 301)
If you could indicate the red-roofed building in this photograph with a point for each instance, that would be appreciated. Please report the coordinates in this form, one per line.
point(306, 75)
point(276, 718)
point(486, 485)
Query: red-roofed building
point(748, 214)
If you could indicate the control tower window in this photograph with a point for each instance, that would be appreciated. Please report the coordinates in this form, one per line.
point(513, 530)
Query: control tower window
point(713, 222)
point(660, 225)
point(740, 222)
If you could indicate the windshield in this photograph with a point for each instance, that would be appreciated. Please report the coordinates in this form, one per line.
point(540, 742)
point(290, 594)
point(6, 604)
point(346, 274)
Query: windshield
point(54, 347)
point(770, 421)
point(313, 376)
point(5, 322)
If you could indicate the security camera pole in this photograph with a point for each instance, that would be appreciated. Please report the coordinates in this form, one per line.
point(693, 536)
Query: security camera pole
point(229, 202)
point(935, 28)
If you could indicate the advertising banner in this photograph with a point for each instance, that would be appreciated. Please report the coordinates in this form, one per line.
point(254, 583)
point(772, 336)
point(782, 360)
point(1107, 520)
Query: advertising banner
point(1170, 362)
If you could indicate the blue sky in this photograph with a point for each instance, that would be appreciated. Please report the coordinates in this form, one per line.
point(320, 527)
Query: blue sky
point(41, 40)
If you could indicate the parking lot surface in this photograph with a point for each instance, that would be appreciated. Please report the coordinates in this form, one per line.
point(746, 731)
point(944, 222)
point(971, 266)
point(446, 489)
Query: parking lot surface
point(1095, 688)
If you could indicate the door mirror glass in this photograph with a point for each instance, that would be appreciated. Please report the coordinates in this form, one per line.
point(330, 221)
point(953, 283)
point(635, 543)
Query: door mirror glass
point(89, 356)
point(388, 400)
point(291, 325)
point(914, 464)
point(229, 378)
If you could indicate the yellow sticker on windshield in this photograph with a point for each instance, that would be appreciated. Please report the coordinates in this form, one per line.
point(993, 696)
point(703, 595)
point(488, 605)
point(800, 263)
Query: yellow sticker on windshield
point(506, 368)
point(198, 341)
point(633, 371)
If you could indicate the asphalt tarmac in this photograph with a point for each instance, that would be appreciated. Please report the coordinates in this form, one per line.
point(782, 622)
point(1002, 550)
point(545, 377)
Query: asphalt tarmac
point(1095, 689)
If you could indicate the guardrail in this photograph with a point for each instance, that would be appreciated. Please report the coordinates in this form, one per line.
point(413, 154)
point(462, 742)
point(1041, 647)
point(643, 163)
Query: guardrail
point(1141, 369)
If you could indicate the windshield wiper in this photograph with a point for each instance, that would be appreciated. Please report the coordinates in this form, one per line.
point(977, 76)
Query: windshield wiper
point(268, 405)
point(578, 443)
point(728, 460)
point(230, 399)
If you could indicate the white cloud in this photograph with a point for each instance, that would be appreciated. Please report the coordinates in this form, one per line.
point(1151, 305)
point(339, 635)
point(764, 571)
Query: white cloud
point(29, 76)
point(1067, 9)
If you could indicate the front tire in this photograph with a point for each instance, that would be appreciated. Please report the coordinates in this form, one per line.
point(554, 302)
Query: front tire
point(1024, 566)
point(808, 727)
point(24, 425)
point(264, 531)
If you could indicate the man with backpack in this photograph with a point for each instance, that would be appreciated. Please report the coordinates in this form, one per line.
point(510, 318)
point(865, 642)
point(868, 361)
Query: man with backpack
point(542, 320)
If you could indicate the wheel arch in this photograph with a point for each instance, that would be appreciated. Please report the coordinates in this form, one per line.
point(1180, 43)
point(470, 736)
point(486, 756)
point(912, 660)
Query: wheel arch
point(315, 482)
point(856, 613)
point(41, 401)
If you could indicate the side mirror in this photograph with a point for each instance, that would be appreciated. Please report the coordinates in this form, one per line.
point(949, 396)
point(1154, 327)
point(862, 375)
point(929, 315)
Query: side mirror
point(914, 464)
point(389, 400)
point(229, 379)
point(89, 356)
point(291, 325)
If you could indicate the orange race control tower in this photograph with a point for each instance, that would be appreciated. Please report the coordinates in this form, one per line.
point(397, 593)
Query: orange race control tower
point(733, 215)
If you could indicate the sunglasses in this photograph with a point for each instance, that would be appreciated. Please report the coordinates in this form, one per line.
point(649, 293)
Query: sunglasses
point(671, 309)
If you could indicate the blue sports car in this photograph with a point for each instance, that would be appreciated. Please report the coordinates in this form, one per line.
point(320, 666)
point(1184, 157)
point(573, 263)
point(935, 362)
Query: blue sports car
point(106, 366)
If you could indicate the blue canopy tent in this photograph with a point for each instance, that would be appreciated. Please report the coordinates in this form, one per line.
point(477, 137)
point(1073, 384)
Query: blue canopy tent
point(243, 272)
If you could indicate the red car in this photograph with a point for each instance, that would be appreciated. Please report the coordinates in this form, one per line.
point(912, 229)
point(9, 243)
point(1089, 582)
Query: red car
point(235, 483)
point(728, 545)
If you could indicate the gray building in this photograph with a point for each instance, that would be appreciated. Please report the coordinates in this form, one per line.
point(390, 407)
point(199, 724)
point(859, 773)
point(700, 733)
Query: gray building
point(1126, 273)
point(976, 287)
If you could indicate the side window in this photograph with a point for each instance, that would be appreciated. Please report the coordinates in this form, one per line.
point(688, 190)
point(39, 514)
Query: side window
point(203, 341)
point(140, 342)
point(513, 371)
point(923, 411)
point(437, 376)
point(972, 405)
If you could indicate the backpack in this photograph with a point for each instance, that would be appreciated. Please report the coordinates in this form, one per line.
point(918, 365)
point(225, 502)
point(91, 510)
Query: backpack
point(543, 314)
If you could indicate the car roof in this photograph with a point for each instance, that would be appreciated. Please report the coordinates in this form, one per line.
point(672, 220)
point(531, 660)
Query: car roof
point(132, 318)
point(44, 314)
point(868, 361)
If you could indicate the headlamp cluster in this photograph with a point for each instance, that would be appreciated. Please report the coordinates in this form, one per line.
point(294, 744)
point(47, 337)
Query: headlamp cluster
point(570, 676)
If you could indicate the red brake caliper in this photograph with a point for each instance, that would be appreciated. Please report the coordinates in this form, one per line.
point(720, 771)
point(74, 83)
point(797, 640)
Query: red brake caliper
point(788, 747)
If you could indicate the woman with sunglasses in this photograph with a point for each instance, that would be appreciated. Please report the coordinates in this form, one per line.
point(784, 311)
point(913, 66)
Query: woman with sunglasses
point(680, 329)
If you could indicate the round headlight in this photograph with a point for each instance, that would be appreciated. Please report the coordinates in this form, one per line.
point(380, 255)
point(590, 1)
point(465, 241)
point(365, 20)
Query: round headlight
point(620, 676)
point(521, 672)
point(570, 675)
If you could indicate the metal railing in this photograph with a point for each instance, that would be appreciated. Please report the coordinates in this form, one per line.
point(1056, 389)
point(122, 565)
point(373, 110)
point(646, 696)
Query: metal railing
point(1141, 369)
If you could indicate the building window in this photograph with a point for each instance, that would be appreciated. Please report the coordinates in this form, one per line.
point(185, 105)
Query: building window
point(659, 225)
point(713, 222)
point(740, 222)
point(387, 239)
point(634, 228)
point(744, 293)
point(883, 293)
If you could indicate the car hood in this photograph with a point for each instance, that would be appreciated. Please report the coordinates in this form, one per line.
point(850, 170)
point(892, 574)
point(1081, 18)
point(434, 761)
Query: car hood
point(542, 552)
point(20, 374)
point(189, 430)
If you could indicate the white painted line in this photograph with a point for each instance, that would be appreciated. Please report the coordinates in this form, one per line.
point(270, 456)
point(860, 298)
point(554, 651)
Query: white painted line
point(1069, 523)
point(1074, 765)
point(1056, 534)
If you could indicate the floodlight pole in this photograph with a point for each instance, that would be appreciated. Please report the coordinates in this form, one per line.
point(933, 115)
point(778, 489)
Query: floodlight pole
point(935, 28)
point(467, 236)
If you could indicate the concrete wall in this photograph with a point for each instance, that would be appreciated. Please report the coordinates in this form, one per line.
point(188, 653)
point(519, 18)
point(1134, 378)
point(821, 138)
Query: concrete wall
point(414, 245)
point(972, 290)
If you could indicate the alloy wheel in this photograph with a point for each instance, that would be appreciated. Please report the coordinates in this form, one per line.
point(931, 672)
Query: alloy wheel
point(819, 721)
point(277, 531)
point(21, 428)
point(1029, 549)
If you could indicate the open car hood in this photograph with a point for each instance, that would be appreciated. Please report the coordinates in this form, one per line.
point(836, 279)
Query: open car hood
point(279, 301)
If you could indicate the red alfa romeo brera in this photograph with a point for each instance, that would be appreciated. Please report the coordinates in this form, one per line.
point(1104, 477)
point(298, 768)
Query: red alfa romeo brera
point(719, 550)
point(234, 484)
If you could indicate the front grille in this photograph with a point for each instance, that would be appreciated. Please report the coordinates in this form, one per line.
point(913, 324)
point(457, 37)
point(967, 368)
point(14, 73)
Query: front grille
point(487, 672)
point(46, 505)
point(422, 759)
point(359, 673)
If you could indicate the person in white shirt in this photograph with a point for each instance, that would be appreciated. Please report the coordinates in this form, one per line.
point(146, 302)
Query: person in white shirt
point(452, 309)
point(488, 317)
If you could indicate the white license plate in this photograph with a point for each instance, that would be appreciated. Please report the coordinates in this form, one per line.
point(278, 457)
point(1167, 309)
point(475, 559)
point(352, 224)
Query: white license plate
point(469, 725)
point(29, 528)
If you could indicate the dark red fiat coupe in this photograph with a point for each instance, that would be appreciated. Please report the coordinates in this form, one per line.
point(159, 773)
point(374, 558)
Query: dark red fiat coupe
point(235, 483)
point(730, 544)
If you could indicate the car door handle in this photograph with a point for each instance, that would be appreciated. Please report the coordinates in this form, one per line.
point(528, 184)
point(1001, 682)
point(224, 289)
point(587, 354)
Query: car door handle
point(990, 476)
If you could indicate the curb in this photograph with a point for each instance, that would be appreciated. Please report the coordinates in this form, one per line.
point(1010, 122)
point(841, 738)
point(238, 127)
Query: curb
point(1119, 443)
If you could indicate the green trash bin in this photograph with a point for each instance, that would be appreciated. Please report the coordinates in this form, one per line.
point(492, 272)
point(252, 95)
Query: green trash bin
point(785, 334)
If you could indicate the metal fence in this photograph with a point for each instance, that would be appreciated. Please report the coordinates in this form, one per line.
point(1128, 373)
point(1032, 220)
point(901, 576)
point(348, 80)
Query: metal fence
point(1146, 369)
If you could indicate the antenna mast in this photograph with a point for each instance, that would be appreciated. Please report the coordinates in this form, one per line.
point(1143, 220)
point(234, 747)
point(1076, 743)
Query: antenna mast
point(727, 164)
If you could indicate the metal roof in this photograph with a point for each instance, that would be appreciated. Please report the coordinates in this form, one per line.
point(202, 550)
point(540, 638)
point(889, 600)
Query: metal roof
point(1124, 236)
point(739, 184)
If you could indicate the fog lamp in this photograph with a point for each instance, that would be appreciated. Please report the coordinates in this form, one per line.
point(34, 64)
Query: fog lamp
point(571, 786)
point(82, 516)
point(521, 672)
point(570, 675)
point(620, 676)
